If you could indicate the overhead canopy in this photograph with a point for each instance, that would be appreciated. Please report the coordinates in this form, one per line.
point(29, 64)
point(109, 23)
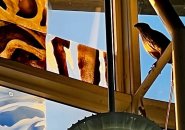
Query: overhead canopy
point(92, 5)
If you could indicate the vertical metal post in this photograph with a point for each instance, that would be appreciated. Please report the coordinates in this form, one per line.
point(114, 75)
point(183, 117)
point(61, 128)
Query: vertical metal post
point(179, 76)
point(110, 54)
point(167, 13)
point(176, 28)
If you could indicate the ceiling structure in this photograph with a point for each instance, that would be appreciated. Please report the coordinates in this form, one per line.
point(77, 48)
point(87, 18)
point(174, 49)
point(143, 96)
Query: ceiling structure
point(144, 6)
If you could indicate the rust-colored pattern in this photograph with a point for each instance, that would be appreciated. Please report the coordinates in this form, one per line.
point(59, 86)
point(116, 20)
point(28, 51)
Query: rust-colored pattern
point(60, 55)
point(27, 13)
point(23, 31)
point(88, 64)
point(77, 61)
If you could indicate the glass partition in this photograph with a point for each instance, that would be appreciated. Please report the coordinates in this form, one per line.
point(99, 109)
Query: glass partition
point(66, 42)
point(21, 111)
point(160, 89)
point(81, 36)
point(75, 44)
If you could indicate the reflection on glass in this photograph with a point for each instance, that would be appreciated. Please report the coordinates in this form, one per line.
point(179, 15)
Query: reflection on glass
point(20, 111)
point(23, 33)
point(61, 117)
point(65, 50)
point(23, 39)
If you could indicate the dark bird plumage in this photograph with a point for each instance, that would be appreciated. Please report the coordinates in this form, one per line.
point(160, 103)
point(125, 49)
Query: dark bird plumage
point(154, 41)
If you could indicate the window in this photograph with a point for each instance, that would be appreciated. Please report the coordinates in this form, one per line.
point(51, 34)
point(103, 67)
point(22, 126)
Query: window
point(73, 92)
point(24, 111)
point(161, 87)
point(85, 34)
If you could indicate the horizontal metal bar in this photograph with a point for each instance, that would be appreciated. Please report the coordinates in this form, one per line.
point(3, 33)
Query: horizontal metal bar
point(58, 88)
point(73, 92)
point(93, 5)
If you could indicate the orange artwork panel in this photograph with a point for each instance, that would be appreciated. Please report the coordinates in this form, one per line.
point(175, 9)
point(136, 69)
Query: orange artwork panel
point(23, 31)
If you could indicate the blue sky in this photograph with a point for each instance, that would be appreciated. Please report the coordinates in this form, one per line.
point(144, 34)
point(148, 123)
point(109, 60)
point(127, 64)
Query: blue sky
point(161, 87)
point(77, 26)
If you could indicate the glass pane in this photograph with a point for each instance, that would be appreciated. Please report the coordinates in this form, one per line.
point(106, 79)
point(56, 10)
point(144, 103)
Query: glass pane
point(21, 111)
point(84, 29)
point(81, 37)
point(160, 89)
point(23, 35)
point(61, 117)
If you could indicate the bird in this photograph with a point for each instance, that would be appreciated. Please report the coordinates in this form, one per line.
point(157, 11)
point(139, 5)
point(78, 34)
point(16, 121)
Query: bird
point(154, 42)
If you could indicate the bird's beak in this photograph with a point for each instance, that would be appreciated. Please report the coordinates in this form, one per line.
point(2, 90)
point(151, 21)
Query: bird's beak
point(136, 25)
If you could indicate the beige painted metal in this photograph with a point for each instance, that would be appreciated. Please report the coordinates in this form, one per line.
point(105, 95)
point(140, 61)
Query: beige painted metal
point(127, 47)
point(167, 14)
point(133, 47)
point(177, 30)
point(179, 76)
point(83, 5)
point(148, 81)
point(119, 56)
point(156, 111)
point(146, 8)
point(77, 5)
point(72, 92)
point(58, 88)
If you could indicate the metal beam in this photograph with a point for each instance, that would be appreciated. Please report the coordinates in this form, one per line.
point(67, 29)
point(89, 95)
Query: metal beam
point(176, 28)
point(77, 5)
point(179, 75)
point(91, 5)
point(58, 88)
point(127, 46)
point(73, 92)
point(157, 110)
point(146, 84)
point(146, 8)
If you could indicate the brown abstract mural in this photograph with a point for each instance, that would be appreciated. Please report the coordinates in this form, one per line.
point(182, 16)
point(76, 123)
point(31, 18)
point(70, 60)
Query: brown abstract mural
point(77, 61)
point(23, 31)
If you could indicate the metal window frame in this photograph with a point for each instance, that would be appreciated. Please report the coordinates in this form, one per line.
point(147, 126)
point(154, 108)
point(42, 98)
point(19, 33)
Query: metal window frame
point(74, 93)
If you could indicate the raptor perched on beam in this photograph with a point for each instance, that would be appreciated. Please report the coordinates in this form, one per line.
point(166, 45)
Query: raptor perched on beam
point(154, 42)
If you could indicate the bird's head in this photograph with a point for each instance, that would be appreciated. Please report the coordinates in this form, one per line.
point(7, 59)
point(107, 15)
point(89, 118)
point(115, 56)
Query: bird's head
point(142, 26)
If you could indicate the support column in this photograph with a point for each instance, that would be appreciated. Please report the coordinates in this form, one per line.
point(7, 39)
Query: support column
point(176, 28)
point(179, 76)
